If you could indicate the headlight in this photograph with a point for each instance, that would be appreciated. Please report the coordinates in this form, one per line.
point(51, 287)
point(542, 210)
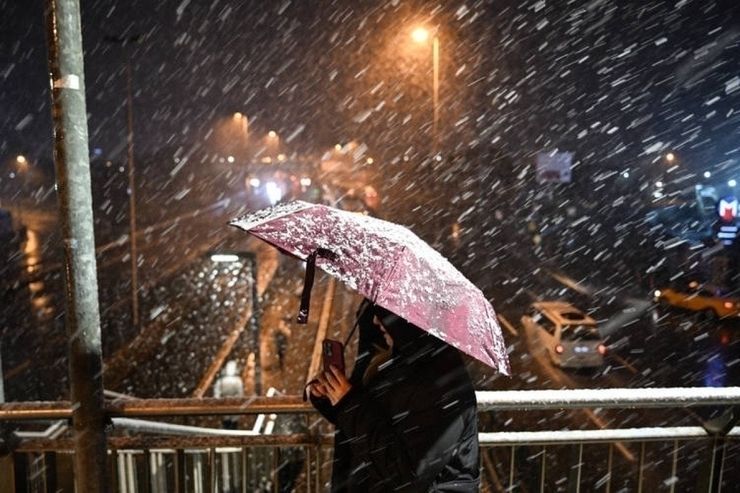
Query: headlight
point(657, 293)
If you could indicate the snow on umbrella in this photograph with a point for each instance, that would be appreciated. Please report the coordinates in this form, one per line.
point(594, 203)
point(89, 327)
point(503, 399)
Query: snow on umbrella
point(389, 265)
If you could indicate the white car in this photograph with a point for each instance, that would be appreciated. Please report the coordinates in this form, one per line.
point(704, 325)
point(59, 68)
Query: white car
point(569, 336)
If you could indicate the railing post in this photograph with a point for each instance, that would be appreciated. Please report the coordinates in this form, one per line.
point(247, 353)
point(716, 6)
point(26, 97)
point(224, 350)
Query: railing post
point(20, 473)
point(543, 469)
point(50, 471)
point(574, 479)
point(180, 471)
point(710, 476)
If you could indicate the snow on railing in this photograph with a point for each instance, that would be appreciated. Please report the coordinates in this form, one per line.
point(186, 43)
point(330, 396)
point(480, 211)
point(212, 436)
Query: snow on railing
point(607, 398)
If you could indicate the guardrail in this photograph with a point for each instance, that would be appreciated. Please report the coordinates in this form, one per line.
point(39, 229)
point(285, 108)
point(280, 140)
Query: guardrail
point(289, 446)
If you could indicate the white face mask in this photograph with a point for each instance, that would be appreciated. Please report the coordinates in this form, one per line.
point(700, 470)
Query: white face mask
point(386, 335)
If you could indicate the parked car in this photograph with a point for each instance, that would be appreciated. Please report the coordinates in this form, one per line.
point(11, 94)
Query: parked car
point(569, 336)
point(707, 299)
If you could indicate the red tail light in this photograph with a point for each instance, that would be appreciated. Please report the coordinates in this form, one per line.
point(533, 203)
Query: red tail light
point(602, 349)
point(559, 349)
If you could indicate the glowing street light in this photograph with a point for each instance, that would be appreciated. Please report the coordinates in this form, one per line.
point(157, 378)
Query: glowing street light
point(242, 120)
point(273, 145)
point(421, 35)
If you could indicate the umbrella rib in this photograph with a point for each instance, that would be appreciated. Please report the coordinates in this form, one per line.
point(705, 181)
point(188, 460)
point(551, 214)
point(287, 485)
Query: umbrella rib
point(390, 273)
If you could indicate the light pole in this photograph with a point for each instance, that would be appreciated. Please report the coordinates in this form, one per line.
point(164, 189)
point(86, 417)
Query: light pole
point(124, 42)
point(421, 35)
point(273, 145)
point(242, 121)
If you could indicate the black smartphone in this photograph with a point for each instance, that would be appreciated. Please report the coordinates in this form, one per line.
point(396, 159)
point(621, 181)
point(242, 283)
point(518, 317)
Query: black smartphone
point(333, 354)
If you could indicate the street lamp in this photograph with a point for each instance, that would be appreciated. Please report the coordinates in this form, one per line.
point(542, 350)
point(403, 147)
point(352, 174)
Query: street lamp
point(421, 35)
point(243, 121)
point(273, 145)
point(124, 42)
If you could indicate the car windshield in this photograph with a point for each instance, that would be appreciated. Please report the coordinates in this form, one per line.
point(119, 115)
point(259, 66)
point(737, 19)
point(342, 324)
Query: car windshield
point(572, 316)
point(580, 333)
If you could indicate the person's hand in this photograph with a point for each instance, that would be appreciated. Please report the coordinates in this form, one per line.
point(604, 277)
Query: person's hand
point(333, 384)
point(317, 388)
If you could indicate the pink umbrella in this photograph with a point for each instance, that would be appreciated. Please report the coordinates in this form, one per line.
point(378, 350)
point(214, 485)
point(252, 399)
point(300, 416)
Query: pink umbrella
point(389, 265)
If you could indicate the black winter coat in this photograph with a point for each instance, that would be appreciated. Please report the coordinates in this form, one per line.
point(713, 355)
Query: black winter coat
point(412, 428)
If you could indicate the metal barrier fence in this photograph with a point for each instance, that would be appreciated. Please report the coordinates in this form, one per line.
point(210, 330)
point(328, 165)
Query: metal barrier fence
point(288, 446)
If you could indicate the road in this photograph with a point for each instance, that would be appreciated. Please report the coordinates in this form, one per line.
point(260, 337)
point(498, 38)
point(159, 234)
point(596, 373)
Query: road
point(198, 314)
point(648, 348)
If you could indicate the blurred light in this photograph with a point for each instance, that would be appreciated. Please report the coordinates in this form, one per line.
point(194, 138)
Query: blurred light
point(670, 157)
point(370, 160)
point(230, 159)
point(420, 35)
point(20, 159)
point(626, 174)
point(224, 257)
point(272, 134)
point(305, 181)
point(255, 182)
point(602, 349)
point(707, 174)
point(731, 183)
point(455, 231)
point(659, 184)
point(274, 194)
point(281, 157)
point(724, 339)
point(238, 116)
point(337, 147)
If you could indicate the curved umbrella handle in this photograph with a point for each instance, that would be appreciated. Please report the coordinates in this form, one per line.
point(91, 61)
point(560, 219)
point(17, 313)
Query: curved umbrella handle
point(308, 281)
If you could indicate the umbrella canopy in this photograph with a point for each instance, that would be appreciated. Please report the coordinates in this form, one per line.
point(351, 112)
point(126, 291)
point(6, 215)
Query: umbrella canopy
point(389, 265)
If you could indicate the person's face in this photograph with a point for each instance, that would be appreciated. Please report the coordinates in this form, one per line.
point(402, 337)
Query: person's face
point(386, 335)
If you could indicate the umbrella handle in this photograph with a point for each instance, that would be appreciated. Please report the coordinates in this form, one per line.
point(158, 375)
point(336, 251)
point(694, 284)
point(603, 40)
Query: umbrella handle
point(308, 281)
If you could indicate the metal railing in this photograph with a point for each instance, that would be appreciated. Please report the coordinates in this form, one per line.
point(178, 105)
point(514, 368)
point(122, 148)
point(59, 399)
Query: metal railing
point(287, 446)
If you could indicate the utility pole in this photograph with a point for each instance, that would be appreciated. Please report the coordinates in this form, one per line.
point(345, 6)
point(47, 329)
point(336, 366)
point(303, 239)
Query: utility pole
point(124, 42)
point(72, 164)
point(435, 82)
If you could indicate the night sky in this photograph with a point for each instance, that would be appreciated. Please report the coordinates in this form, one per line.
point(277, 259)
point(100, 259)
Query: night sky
point(614, 82)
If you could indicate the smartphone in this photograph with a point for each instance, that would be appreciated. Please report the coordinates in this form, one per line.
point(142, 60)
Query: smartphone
point(333, 354)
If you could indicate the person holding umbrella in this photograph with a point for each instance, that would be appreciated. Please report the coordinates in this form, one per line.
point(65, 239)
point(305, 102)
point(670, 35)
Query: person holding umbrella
point(406, 418)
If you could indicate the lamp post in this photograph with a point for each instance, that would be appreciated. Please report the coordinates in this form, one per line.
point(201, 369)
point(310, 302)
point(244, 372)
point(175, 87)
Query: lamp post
point(421, 35)
point(124, 42)
point(242, 121)
point(272, 147)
